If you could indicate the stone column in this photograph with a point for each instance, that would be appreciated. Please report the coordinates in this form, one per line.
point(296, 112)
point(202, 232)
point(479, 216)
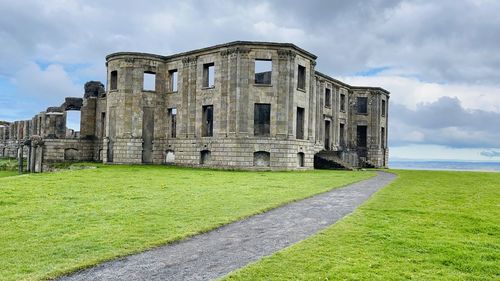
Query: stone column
point(312, 104)
point(88, 118)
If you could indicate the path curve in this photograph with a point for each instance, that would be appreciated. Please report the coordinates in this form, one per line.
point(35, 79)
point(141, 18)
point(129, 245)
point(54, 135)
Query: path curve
point(214, 254)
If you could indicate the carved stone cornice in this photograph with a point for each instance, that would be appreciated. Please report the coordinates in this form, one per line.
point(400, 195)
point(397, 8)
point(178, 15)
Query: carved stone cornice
point(286, 54)
point(188, 61)
point(233, 52)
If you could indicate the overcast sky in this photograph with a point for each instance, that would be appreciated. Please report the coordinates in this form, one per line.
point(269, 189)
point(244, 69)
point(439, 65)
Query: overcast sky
point(439, 59)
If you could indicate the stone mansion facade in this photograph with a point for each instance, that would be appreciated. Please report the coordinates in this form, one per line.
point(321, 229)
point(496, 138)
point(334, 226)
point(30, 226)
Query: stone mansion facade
point(241, 105)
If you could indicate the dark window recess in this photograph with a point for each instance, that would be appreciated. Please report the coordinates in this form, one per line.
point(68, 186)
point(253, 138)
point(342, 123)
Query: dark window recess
point(327, 134)
point(383, 108)
point(382, 137)
point(342, 102)
point(301, 79)
point(103, 124)
point(172, 115)
point(300, 159)
point(205, 157)
point(263, 72)
point(149, 82)
point(328, 98)
point(262, 159)
point(208, 121)
point(113, 80)
point(300, 123)
point(208, 75)
point(342, 135)
point(173, 74)
point(362, 105)
point(361, 136)
point(262, 119)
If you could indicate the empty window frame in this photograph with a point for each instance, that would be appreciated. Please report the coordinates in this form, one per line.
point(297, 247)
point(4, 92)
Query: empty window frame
point(361, 136)
point(205, 157)
point(300, 123)
point(382, 137)
point(113, 80)
point(263, 71)
point(362, 105)
point(209, 75)
point(208, 121)
point(300, 159)
point(328, 98)
point(262, 119)
point(301, 77)
point(342, 102)
point(261, 159)
point(173, 80)
point(149, 82)
point(172, 116)
point(383, 108)
point(342, 135)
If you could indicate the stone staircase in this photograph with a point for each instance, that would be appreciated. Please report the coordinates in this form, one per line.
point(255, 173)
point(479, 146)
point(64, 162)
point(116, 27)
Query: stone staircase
point(328, 159)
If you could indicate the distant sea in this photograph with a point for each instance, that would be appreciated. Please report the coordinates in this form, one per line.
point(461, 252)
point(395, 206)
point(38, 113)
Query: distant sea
point(445, 165)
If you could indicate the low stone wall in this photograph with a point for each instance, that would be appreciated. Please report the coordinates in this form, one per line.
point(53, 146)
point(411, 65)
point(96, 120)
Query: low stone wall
point(227, 153)
point(61, 150)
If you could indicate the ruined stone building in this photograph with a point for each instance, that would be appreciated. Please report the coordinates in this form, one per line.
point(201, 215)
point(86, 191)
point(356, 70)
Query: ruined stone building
point(242, 105)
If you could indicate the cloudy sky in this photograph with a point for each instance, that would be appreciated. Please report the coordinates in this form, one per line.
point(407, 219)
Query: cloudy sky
point(439, 59)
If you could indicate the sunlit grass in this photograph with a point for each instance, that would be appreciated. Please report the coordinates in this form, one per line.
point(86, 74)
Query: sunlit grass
point(424, 226)
point(53, 223)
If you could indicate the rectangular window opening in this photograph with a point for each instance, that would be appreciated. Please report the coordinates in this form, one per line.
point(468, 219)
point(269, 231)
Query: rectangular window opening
point(113, 80)
point(382, 137)
point(149, 83)
point(300, 123)
point(103, 124)
point(327, 134)
point(208, 121)
point(342, 102)
point(209, 75)
point(173, 74)
point(263, 71)
point(361, 136)
point(342, 135)
point(262, 119)
point(301, 79)
point(328, 98)
point(362, 105)
point(383, 108)
point(172, 115)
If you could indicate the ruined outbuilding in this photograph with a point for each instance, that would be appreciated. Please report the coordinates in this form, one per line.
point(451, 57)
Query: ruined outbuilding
point(242, 105)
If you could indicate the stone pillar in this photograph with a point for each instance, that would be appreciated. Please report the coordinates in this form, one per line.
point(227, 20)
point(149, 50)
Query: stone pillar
point(244, 91)
point(311, 109)
point(88, 118)
point(55, 125)
point(283, 84)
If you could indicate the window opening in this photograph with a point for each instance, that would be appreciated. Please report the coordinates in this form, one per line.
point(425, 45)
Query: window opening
point(262, 119)
point(263, 71)
point(208, 121)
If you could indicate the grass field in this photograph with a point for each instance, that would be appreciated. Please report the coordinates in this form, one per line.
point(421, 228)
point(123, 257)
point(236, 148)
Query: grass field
point(424, 226)
point(53, 223)
point(7, 173)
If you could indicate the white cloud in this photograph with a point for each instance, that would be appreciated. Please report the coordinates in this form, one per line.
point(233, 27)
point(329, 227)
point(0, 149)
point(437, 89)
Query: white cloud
point(50, 85)
point(410, 91)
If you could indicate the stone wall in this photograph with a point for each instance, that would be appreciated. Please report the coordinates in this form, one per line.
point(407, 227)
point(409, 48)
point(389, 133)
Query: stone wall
point(132, 123)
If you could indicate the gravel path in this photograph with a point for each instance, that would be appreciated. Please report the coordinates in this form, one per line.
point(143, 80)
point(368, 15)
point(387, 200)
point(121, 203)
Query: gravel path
point(214, 254)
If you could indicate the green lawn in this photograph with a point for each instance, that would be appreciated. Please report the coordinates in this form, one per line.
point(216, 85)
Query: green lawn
point(7, 173)
point(53, 223)
point(424, 226)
